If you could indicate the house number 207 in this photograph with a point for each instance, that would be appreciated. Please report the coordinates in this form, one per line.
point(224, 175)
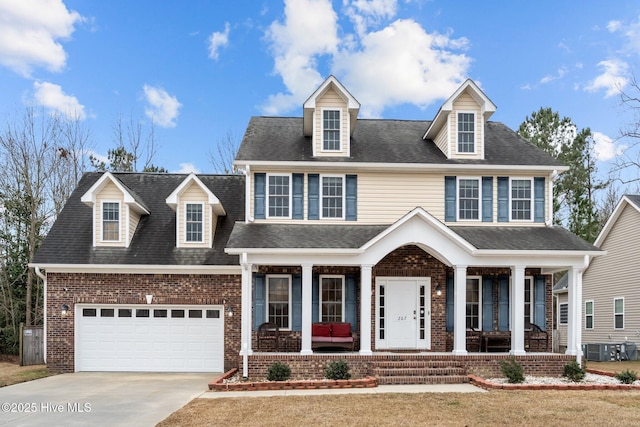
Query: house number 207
point(402, 317)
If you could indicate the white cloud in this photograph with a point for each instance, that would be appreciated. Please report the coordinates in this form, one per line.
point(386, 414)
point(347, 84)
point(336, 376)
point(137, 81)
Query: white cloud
point(562, 71)
point(187, 168)
point(614, 26)
point(217, 41)
point(613, 78)
point(51, 96)
point(162, 108)
point(605, 148)
point(30, 34)
point(399, 63)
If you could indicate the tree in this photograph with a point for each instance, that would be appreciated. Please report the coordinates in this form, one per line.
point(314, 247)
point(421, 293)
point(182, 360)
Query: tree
point(225, 153)
point(629, 160)
point(574, 190)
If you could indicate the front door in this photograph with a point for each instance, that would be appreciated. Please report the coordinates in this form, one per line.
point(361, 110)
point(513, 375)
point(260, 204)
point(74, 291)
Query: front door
point(403, 311)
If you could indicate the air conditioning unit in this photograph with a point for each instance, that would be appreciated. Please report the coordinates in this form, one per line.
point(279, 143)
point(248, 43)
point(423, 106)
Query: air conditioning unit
point(600, 352)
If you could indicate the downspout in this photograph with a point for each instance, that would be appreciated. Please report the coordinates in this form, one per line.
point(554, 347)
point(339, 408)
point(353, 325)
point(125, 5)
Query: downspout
point(247, 195)
point(552, 179)
point(44, 314)
point(585, 264)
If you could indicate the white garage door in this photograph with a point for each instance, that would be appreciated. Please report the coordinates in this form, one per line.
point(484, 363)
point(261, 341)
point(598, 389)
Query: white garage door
point(138, 338)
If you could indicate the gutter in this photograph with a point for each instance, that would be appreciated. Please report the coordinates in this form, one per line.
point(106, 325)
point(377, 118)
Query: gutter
point(44, 314)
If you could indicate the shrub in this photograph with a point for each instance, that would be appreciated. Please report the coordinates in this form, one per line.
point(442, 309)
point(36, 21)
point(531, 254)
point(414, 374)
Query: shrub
point(512, 370)
point(338, 370)
point(278, 372)
point(626, 376)
point(573, 371)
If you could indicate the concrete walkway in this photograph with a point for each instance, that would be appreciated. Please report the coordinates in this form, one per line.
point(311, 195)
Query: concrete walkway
point(422, 388)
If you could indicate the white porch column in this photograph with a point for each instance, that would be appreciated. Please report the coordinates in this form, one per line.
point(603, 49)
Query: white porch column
point(460, 310)
point(517, 310)
point(307, 307)
point(365, 310)
point(245, 311)
point(574, 329)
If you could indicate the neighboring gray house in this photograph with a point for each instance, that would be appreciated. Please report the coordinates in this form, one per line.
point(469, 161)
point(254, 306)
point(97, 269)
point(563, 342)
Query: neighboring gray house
point(561, 314)
point(611, 283)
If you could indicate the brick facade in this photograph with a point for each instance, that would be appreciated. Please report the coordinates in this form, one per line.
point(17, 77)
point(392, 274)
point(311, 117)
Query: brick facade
point(167, 289)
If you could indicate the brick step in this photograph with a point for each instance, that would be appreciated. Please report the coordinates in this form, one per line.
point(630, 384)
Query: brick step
point(435, 379)
point(408, 364)
point(417, 372)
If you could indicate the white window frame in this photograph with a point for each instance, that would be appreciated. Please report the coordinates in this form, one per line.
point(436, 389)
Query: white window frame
point(531, 199)
point(474, 178)
point(532, 301)
point(102, 239)
point(479, 279)
point(592, 315)
point(566, 320)
point(289, 311)
point(185, 222)
point(344, 196)
point(267, 194)
point(618, 314)
point(331, 276)
point(322, 129)
point(475, 135)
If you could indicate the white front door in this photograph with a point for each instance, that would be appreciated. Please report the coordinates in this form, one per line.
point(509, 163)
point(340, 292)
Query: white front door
point(403, 313)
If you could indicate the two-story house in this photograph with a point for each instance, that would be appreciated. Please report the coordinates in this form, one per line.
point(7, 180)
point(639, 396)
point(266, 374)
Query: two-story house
point(427, 237)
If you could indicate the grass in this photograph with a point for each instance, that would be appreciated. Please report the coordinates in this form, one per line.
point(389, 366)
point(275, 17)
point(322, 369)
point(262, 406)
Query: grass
point(632, 365)
point(11, 373)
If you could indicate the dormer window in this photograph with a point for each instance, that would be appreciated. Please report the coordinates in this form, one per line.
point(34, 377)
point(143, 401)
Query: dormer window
point(110, 221)
point(466, 133)
point(194, 222)
point(331, 130)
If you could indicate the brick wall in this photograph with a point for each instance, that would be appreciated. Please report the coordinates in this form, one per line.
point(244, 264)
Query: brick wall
point(167, 289)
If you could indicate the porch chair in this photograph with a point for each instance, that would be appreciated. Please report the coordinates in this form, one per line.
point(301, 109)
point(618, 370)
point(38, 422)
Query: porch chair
point(538, 336)
point(269, 332)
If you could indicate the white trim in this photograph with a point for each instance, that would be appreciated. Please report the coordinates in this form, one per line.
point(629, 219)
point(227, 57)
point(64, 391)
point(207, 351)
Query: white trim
point(340, 130)
point(139, 269)
point(320, 300)
point(90, 196)
point(344, 196)
point(613, 218)
point(469, 178)
point(532, 302)
point(173, 199)
point(531, 199)
point(290, 196)
point(618, 314)
point(101, 231)
point(266, 298)
point(475, 139)
point(204, 213)
point(480, 286)
point(592, 315)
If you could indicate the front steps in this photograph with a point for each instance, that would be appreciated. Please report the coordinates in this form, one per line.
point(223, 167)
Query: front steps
point(419, 371)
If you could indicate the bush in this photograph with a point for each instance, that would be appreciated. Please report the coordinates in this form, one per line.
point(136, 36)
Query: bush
point(627, 376)
point(278, 372)
point(512, 370)
point(573, 371)
point(338, 370)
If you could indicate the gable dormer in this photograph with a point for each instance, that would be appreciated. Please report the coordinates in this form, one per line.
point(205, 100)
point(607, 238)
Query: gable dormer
point(116, 211)
point(197, 211)
point(330, 116)
point(458, 129)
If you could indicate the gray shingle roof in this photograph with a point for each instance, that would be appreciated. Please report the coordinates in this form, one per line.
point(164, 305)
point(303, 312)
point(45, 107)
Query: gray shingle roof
point(383, 141)
point(523, 238)
point(562, 284)
point(154, 243)
point(634, 198)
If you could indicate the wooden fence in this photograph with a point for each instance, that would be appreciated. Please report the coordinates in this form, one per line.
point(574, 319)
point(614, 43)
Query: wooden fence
point(31, 345)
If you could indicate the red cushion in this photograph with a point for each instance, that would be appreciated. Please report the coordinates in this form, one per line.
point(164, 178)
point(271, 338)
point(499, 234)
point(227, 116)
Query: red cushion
point(321, 330)
point(342, 339)
point(316, 338)
point(341, 329)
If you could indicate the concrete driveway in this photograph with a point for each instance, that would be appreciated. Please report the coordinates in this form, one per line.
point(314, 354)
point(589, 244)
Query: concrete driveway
point(100, 398)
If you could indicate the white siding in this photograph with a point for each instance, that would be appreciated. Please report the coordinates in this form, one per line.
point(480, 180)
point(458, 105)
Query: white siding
point(330, 100)
point(466, 103)
point(194, 194)
point(560, 334)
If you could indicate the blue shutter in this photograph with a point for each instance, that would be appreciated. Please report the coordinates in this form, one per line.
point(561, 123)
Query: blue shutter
point(352, 197)
point(487, 304)
point(487, 199)
point(503, 303)
point(538, 199)
point(314, 196)
point(315, 298)
point(296, 302)
point(259, 300)
point(259, 195)
point(539, 297)
point(503, 199)
point(450, 198)
point(298, 196)
point(449, 301)
point(351, 309)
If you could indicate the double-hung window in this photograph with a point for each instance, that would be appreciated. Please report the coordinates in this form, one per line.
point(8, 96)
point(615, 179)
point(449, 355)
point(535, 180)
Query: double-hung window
point(466, 133)
point(279, 196)
point(474, 305)
point(279, 301)
point(333, 197)
point(521, 199)
point(331, 130)
point(111, 221)
point(618, 313)
point(528, 302)
point(468, 199)
point(194, 222)
point(588, 314)
point(332, 298)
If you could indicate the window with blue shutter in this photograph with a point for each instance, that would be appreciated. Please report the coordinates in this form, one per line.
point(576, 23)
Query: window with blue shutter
point(503, 199)
point(503, 303)
point(259, 200)
point(259, 300)
point(539, 297)
point(350, 300)
point(449, 302)
point(298, 196)
point(450, 198)
point(487, 304)
point(296, 302)
point(351, 197)
point(487, 199)
point(315, 298)
point(538, 199)
point(313, 196)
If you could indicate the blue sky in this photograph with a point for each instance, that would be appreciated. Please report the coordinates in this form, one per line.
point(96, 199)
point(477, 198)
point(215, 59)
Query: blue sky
point(201, 69)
